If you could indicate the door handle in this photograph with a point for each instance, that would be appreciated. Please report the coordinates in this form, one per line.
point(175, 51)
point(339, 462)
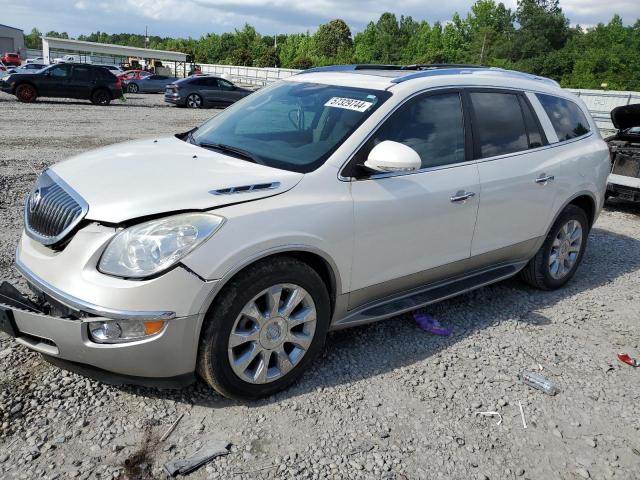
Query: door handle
point(544, 178)
point(461, 196)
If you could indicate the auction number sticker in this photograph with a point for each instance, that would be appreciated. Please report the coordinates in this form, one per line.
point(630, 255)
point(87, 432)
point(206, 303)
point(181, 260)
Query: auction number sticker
point(349, 104)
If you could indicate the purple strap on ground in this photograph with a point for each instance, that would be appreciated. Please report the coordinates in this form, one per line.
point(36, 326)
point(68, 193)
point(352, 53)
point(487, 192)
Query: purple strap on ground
point(429, 324)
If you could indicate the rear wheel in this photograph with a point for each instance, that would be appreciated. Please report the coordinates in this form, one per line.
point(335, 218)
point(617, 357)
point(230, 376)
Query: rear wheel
point(101, 97)
point(133, 88)
point(265, 328)
point(557, 260)
point(194, 101)
point(26, 93)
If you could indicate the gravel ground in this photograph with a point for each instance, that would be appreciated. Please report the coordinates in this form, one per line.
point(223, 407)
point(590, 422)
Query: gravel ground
point(384, 401)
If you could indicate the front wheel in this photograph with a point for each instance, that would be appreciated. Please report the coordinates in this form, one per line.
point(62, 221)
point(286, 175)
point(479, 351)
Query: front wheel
point(26, 93)
point(265, 328)
point(557, 260)
point(194, 101)
point(133, 88)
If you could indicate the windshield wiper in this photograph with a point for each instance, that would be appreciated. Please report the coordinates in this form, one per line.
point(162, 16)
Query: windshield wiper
point(238, 152)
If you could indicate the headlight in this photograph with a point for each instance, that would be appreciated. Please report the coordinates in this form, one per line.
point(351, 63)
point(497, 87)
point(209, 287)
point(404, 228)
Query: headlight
point(151, 247)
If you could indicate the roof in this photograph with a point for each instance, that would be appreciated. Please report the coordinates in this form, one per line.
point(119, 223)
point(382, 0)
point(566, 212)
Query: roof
point(386, 76)
point(12, 28)
point(109, 49)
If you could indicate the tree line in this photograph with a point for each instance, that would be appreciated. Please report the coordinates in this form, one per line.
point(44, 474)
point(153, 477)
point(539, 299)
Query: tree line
point(537, 37)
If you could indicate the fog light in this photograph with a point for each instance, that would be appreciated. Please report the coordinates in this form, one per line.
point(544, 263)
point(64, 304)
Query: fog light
point(119, 331)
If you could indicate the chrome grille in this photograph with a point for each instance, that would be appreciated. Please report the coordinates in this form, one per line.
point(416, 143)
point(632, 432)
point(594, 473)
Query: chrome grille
point(52, 209)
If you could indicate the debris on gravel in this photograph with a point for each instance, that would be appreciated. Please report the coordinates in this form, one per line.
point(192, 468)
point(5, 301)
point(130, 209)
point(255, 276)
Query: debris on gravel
point(386, 400)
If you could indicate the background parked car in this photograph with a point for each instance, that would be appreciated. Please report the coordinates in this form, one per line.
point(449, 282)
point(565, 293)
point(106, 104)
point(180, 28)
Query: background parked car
point(73, 59)
point(27, 68)
point(11, 59)
point(35, 60)
point(204, 91)
point(149, 84)
point(65, 80)
point(115, 69)
point(133, 75)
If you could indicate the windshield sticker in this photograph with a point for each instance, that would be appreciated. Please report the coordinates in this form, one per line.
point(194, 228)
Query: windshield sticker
point(349, 104)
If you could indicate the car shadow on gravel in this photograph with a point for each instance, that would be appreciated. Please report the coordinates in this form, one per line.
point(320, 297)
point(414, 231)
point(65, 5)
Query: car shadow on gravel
point(130, 102)
point(618, 205)
point(367, 351)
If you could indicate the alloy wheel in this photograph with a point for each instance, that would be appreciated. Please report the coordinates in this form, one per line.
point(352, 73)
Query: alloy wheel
point(133, 88)
point(272, 333)
point(565, 249)
point(194, 101)
point(26, 93)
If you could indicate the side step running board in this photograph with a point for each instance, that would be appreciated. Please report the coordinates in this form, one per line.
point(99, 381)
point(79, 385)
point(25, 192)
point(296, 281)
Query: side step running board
point(407, 301)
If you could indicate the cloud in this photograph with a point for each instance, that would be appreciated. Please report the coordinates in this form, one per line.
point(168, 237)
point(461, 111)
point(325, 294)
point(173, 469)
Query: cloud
point(197, 17)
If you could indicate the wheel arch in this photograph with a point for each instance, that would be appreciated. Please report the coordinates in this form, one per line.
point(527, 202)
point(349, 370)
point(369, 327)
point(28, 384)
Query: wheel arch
point(585, 200)
point(98, 88)
point(25, 82)
point(587, 203)
point(315, 258)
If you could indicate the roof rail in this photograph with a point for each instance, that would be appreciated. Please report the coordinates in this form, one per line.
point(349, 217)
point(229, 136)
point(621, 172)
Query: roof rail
point(436, 66)
point(372, 66)
point(423, 70)
point(471, 71)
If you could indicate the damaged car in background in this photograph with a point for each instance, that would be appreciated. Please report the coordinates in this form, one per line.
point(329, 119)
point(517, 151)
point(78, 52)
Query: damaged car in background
point(624, 180)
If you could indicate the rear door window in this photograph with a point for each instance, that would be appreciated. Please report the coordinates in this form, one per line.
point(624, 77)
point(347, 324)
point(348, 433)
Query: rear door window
point(567, 118)
point(536, 136)
point(81, 73)
point(499, 126)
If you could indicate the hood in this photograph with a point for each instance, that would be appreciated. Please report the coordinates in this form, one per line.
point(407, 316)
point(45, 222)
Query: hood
point(627, 116)
point(146, 177)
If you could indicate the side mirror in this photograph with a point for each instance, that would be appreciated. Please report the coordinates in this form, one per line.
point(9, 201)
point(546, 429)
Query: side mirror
point(390, 156)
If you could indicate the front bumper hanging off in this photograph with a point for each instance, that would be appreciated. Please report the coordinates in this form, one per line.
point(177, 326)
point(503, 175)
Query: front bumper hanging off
point(164, 360)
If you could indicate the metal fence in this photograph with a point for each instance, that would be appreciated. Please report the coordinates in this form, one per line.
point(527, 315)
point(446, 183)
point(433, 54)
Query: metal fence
point(248, 75)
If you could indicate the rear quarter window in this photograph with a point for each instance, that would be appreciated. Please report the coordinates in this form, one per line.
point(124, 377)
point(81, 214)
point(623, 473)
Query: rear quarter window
point(567, 118)
point(104, 74)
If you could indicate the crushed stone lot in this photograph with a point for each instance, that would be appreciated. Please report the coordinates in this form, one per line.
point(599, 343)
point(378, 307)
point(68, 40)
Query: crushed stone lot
point(384, 401)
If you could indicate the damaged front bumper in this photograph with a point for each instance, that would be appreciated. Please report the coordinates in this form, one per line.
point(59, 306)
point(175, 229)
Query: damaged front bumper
point(57, 323)
point(159, 360)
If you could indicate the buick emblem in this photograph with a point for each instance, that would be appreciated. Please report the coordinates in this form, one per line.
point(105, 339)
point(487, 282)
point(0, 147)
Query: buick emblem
point(34, 200)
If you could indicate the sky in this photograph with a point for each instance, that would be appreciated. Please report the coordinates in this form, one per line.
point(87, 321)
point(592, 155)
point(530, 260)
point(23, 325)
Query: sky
point(184, 18)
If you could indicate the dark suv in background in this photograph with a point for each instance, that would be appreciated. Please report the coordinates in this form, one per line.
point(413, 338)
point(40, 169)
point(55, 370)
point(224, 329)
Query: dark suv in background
point(68, 80)
point(204, 91)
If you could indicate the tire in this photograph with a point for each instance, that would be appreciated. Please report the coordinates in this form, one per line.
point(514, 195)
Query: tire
point(101, 97)
point(26, 93)
point(221, 366)
point(194, 101)
point(133, 88)
point(545, 274)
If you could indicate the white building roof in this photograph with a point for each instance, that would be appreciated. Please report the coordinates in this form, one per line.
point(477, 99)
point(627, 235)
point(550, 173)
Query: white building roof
point(116, 50)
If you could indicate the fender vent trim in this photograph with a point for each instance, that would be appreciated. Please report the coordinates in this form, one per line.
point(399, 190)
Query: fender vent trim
point(245, 188)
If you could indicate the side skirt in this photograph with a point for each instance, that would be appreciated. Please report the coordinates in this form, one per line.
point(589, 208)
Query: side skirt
point(406, 301)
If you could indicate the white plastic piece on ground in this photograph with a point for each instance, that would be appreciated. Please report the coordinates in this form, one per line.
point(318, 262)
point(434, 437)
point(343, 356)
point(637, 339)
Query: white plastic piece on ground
point(491, 414)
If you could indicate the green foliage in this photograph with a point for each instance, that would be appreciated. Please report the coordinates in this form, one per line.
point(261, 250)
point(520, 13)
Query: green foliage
point(333, 38)
point(535, 38)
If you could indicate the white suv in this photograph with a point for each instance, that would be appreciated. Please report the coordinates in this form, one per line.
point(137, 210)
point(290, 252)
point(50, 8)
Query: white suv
point(337, 197)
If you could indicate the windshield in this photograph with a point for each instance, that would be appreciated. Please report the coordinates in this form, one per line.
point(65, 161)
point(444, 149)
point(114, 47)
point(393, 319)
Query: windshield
point(290, 125)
